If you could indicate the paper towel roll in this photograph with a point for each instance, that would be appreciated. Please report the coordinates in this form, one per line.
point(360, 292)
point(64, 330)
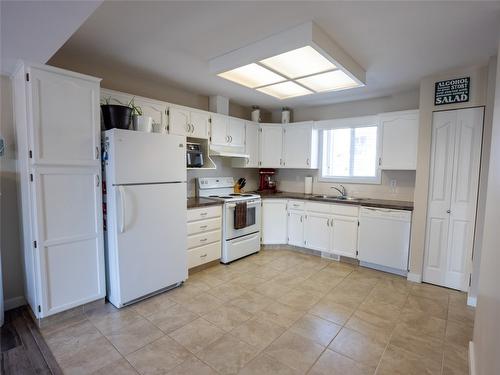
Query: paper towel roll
point(308, 185)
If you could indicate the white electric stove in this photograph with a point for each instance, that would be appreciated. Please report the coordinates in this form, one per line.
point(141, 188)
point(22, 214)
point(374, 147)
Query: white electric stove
point(236, 243)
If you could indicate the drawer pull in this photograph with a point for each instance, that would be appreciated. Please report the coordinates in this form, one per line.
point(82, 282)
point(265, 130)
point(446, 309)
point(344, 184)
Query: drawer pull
point(203, 240)
point(203, 213)
point(203, 226)
point(203, 255)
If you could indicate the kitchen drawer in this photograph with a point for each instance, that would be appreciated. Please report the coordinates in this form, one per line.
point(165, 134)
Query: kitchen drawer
point(204, 254)
point(345, 209)
point(203, 213)
point(203, 226)
point(296, 205)
point(318, 207)
point(203, 238)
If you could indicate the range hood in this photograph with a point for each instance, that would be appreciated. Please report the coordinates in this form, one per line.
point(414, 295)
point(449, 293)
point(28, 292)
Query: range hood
point(227, 152)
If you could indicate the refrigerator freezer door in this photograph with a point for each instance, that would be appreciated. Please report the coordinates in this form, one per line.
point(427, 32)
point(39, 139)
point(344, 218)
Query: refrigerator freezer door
point(139, 157)
point(151, 239)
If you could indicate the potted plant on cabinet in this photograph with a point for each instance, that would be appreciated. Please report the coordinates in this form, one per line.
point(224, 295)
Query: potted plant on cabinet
point(140, 122)
point(115, 115)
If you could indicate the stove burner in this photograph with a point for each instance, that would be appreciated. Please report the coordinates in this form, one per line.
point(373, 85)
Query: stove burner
point(213, 196)
point(247, 195)
point(235, 194)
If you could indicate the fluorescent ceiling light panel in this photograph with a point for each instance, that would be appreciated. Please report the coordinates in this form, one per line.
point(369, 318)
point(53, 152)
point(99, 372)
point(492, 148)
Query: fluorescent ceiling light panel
point(285, 90)
point(299, 63)
point(336, 80)
point(252, 75)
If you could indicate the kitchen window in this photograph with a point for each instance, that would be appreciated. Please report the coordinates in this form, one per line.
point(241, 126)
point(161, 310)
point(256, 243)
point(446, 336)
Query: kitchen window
point(350, 153)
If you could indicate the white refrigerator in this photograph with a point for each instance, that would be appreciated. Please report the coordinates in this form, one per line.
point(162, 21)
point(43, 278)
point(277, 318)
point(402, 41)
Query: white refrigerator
point(145, 179)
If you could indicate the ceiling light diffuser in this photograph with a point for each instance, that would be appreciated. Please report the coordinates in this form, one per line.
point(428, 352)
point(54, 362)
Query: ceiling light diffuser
point(299, 63)
point(252, 75)
point(336, 80)
point(284, 90)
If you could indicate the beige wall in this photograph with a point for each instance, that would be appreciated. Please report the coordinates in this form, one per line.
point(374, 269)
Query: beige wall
point(9, 221)
point(478, 76)
point(137, 82)
point(293, 179)
point(486, 327)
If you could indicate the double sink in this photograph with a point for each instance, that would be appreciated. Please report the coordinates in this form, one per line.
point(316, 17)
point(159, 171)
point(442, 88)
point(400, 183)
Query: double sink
point(338, 198)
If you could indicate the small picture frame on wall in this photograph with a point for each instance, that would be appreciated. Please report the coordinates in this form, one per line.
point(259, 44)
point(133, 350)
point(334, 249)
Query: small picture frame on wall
point(452, 91)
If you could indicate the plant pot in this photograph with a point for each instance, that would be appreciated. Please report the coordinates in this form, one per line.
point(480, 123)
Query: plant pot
point(116, 116)
point(143, 123)
point(159, 128)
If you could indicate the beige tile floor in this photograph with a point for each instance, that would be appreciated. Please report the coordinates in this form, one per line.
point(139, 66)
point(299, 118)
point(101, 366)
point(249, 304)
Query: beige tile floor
point(276, 312)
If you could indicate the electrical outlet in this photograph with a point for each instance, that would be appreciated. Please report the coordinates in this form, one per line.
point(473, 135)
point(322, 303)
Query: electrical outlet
point(394, 185)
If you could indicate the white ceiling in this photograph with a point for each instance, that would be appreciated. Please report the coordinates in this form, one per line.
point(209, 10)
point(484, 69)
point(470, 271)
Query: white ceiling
point(397, 43)
point(35, 30)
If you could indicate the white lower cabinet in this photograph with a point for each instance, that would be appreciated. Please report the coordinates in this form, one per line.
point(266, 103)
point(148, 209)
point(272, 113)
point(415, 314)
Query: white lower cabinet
point(329, 228)
point(317, 231)
point(345, 235)
point(274, 221)
point(296, 228)
point(204, 235)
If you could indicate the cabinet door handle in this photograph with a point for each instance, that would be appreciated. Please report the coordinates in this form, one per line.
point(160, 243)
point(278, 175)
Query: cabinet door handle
point(281, 161)
point(307, 161)
point(248, 160)
point(448, 211)
point(97, 153)
point(98, 183)
point(301, 219)
point(192, 128)
point(327, 222)
point(203, 240)
point(203, 213)
point(203, 255)
point(203, 226)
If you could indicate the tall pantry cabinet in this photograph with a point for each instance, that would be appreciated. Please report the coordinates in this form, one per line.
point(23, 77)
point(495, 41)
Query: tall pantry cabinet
point(57, 123)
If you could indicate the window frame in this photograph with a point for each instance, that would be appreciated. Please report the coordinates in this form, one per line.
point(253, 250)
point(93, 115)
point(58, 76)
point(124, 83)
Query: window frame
point(350, 123)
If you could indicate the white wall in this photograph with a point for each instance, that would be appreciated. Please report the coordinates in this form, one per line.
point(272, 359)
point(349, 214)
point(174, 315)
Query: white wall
point(486, 326)
point(13, 285)
point(293, 180)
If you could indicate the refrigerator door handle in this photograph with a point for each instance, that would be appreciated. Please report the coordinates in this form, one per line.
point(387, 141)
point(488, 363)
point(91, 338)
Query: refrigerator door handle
point(121, 189)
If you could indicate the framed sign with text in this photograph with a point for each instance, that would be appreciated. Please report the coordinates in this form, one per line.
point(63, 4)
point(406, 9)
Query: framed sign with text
point(452, 91)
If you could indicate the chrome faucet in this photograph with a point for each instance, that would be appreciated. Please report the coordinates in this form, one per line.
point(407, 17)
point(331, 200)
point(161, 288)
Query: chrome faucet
point(343, 192)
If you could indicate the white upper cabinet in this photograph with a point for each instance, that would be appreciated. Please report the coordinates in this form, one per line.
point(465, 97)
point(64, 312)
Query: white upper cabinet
point(227, 131)
point(251, 147)
point(400, 140)
point(156, 110)
point(274, 221)
point(200, 125)
point(219, 133)
point(236, 132)
point(271, 146)
point(183, 121)
point(65, 119)
point(300, 145)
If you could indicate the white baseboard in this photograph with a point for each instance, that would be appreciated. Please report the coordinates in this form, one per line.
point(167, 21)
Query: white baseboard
point(472, 361)
point(12, 303)
point(415, 277)
point(471, 301)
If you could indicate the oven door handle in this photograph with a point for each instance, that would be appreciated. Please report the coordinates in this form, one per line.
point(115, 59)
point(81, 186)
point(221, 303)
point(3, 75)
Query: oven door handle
point(253, 204)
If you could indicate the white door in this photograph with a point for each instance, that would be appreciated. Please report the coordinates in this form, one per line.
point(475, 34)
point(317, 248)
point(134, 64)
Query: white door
point(151, 239)
point(296, 228)
point(297, 146)
point(200, 124)
point(274, 221)
point(65, 116)
point(236, 132)
point(140, 157)
point(399, 140)
point(271, 146)
point(453, 186)
point(219, 132)
point(345, 235)
point(179, 121)
point(68, 236)
point(317, 232)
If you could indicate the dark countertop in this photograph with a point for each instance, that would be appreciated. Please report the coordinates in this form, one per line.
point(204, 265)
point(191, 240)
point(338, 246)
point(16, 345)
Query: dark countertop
point(196, 202)
point(366, 202)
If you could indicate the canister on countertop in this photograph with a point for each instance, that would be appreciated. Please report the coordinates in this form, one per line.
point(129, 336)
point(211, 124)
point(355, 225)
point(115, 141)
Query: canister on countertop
point(308, 185)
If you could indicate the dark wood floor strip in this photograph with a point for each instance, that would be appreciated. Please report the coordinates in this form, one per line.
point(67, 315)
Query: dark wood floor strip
point(26, 352)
